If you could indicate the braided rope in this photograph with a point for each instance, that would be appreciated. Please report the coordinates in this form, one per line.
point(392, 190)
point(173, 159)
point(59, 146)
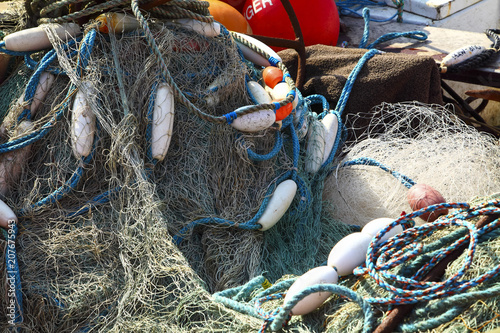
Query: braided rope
point(405, 180)
point(403, 247)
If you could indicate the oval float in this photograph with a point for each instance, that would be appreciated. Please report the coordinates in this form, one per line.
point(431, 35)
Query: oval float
point(163, 121)
point(253, 56)
point(315, 146)
point(278, 204)
point(373, 227)
point(35, 39)
point(318, 275)
point(461, 55)
point(349, 252)
point(423, 195)
point(6, 215)
point(331, 123)
point(83, 122)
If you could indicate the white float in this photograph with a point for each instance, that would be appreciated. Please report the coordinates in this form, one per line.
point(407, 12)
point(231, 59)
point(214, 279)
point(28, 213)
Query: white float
point(6, 215)
point(278, 204)
point(318, 275)
point(373, 227)
point(349, 252)
point(253, 56)
point(163, 121)
point(331, 124)
point(35, 39)
point(83, 124)
point(315, 146)
point(43, 87)
point(204, 28)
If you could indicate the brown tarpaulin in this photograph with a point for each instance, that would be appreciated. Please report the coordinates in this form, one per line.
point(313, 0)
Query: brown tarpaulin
point(388, 77)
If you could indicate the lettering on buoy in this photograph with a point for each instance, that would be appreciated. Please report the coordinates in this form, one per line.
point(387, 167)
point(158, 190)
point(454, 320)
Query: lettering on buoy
point(255, 7)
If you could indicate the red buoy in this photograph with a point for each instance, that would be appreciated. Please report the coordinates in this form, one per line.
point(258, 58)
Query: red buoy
point(318, 19)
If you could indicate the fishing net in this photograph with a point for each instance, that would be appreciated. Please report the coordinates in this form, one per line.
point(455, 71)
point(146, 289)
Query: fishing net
point(426, 143)
point(117, 241)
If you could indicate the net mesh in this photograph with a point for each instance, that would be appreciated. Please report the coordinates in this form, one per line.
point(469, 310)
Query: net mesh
point(102, 257)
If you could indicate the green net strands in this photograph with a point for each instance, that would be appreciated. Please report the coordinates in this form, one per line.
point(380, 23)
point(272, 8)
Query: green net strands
point(95, 245)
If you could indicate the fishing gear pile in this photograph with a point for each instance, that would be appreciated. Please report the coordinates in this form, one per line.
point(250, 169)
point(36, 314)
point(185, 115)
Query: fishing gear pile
point(116, 234)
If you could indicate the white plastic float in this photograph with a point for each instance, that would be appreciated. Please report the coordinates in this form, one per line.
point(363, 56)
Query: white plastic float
point(83, 124)
point(13, 161)
point(278, 204)
point(117, 23)
point(318, 275)
point(345, 256)
point(204, 28)
point(163, 121)
point(35, 39)
point(461, 55)
point(373, 227)
point(6, 215)
point(253, 56)
point(331, 124)
point(43, 87)
point(258, 120)
point(315, 146)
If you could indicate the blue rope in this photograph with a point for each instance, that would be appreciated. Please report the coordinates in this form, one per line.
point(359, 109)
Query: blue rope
point(352, 78)
point(417, 34)
point(96, 201)
point(318, 99)
point(406, 181)
point(248, 225)
point(45, 129)
point(351, 7)
point(276, 149)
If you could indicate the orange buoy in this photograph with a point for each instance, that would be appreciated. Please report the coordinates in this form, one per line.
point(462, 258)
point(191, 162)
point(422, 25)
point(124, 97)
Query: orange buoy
point(318, 20)
point(272, 76)
point(423, 195)
point(283, 111)
point(229, 17)
point(238, 4)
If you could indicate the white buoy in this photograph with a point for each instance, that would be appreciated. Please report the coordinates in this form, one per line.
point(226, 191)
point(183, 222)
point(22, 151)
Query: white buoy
point(349, 252)
point(35, 39)
point(374, 226)
point(43, 87)
point(318, 275)
point(331, 124)
point(6, 215)
point(461, 55)
point(315, 146)
point(253, 56)
point(278, 204)
point(204, 28)
point(163, 121)
point(83, 122)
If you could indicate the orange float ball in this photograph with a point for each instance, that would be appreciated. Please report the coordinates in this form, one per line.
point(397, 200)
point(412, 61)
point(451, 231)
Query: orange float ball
point(423, 195)
point(272, 76)
point(238, 4)
point(318, 20)
point(229, 17)
point(283, 111)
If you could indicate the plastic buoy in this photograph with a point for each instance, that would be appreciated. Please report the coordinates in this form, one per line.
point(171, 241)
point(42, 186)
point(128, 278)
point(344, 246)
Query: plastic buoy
point(228, 16)
point(238, 4)
point(319, 20)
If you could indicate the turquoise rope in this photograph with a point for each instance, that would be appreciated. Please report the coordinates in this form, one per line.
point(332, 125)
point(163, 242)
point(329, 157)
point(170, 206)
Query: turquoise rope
point(405, 180)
